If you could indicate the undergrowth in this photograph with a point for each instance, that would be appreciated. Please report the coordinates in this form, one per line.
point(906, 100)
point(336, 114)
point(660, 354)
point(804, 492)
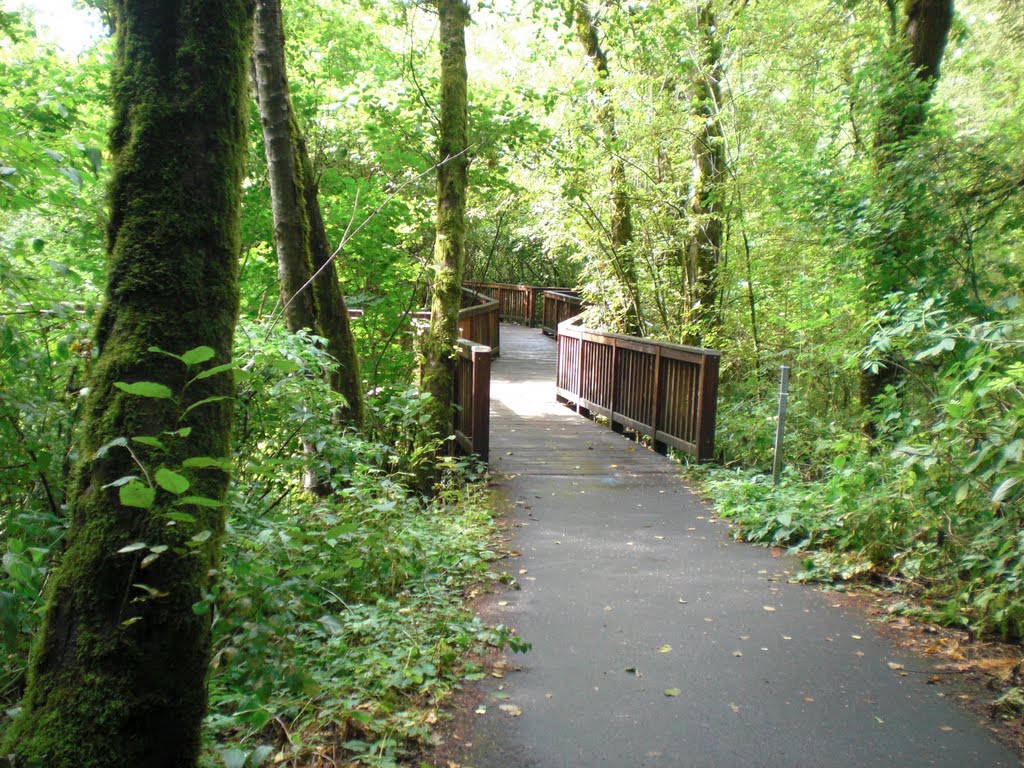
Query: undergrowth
point(339, 622)
point(932, 508)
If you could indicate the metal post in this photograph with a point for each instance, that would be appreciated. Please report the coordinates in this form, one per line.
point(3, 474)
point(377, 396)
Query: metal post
point(780, 425)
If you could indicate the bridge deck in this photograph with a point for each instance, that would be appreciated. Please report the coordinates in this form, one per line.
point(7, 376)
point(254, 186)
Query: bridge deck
point(631, 592)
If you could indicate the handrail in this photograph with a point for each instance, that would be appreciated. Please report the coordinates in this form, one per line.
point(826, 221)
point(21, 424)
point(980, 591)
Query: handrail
point(668, 392)
point(479, 320)
point(559, 306)
point(472, 398)
point(479, 342)
point(519, 303)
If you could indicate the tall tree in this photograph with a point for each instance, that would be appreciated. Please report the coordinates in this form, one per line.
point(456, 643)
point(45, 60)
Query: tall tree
point(708, 163)
point(309, 283)
point(438, 347)
point(620, 232)
point(920, 41)
point(118, 672)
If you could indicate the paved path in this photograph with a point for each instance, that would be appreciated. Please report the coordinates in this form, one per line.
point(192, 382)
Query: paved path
point(629, 589)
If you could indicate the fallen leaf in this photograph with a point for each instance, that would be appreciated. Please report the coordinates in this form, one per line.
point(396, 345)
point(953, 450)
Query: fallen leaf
point(894, 665)
point(858, 653)
point(511, 710)
point(856, 637)
point(682, 601)
point(809, 699)
point(737, 653)
point(498, 674)
point(503, 603)
point(672, 691)
point(666, 648)
point(744, 637)
point(769, 608)
point(946, 728)
point(880, 720)
point(481, 710)
point(786, 637)
point(735, 708)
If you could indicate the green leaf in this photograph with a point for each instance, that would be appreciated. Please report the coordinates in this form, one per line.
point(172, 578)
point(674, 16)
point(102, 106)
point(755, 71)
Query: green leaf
point(134, 547)
point(198, 355)
point(197, 501)
point(121, 481)
point(234, 758)
point(137, 494)
point(206, 400)
point(213, 371)
point(672, 692)
point(153, 442)
point(145, 389)
point(207, 462)
point(1004, 489)
point(95, 158)
point(117, 442)
point(181, 517)
point(171, 481)
point(165, 352)
point(202, 536)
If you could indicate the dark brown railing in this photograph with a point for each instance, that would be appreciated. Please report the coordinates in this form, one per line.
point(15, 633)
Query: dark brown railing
point(559, 306)
point(480, 320)
point(472, 398)
point(479, 341)
point(665, 391)
point(479, 331)
point(519, 303)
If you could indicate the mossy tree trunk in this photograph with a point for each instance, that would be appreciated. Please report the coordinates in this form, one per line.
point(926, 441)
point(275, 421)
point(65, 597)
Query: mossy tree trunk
point(708, 163)
point(895, 263)
point(438, 346)
point(620, 230)
point(303, 249)
point(117, 676)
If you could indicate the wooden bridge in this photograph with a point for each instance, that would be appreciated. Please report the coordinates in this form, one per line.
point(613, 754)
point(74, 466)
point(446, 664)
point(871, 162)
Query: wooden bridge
point(664, 392)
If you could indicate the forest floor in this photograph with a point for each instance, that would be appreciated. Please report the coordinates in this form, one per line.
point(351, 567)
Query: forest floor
point(659, 641)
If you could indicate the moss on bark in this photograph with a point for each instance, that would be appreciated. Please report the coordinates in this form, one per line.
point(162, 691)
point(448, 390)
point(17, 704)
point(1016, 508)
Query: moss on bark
point(438, 348)
point(117, 676)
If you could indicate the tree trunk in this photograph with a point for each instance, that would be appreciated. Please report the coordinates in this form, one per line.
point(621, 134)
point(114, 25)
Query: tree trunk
point(118, 673)
point(708, 161)
point(438, 369)
point(303, 249)
point(891, 265)
point(621, 224)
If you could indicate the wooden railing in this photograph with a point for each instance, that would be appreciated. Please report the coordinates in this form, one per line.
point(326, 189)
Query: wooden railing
point(665, 391)
point(559, 306)
point(518, 303)
point(479, 331)
point(479, 341)
point(472, 398)
point(480, 320)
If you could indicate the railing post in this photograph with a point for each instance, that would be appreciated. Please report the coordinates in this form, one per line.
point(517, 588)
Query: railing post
point(480, 418)
point(616, 426)
point(579, 376)
point(707, 406)
point(659, 446)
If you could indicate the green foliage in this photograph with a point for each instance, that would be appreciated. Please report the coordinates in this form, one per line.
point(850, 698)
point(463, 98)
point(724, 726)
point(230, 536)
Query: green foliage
point(940, 506)
point(339, 620)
